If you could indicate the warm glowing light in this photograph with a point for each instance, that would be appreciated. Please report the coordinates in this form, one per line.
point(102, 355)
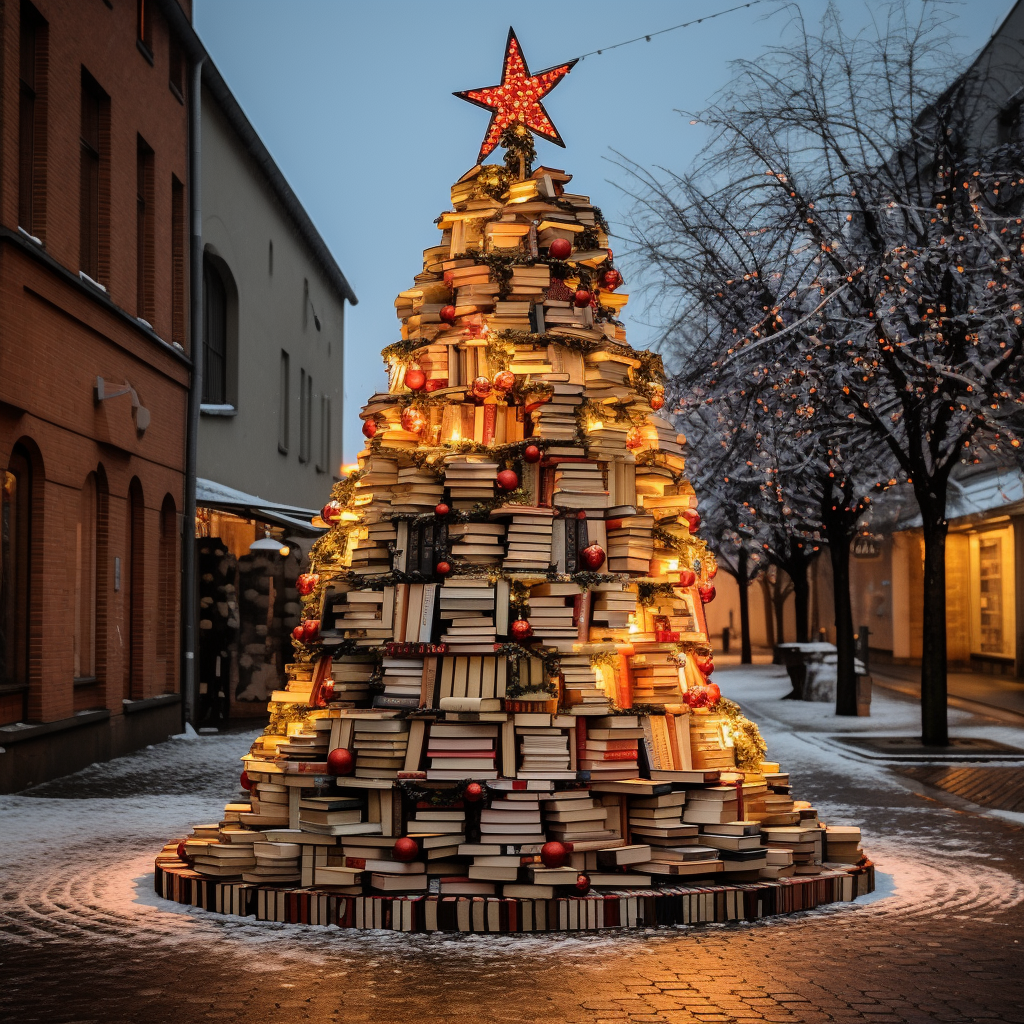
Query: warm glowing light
point(284, 551)
point(456, 435)
point(349, 517)
point(349, 469)
point(518, 98)
point(673, 565)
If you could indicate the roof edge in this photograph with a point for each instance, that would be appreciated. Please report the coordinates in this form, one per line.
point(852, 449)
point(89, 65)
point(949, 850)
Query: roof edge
point(256, 148)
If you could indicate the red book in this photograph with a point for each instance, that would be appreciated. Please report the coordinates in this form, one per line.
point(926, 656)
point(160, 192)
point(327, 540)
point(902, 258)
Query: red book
point(490, 419)
point(581, 738)
point(610, 755)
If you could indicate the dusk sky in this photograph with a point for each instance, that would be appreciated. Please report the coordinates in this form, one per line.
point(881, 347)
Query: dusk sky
point(354, 102)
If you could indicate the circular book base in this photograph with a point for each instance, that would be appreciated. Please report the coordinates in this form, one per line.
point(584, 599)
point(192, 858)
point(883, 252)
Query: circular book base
point(668, 905)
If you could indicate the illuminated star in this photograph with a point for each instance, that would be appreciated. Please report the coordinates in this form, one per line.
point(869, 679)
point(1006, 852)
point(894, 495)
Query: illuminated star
point(518, 98)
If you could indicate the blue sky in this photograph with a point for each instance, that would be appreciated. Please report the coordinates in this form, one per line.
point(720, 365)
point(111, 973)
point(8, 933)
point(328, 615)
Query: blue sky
point(354, 102)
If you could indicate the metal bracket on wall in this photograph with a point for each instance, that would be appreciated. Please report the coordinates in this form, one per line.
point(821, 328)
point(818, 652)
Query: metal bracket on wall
point(103, 391)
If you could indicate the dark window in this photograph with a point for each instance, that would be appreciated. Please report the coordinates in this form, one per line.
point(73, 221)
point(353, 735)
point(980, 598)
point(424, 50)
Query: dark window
point(1008, 125)
point(284, 404)
point(177, 261)
point(215, 336)
point(305, 416)
point(167, 598)
point(92, 211)
point(15, 570)
point(144, 255)
point(324, 460)
point(175, 66)
point(133, 577)
point(145, 29)
point(32, 121)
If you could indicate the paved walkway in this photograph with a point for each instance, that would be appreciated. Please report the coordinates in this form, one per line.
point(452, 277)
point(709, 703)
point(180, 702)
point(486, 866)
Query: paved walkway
point(1001, 693)
point(83, 939)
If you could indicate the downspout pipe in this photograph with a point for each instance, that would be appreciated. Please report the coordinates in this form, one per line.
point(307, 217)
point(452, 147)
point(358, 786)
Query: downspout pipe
point(189, 589)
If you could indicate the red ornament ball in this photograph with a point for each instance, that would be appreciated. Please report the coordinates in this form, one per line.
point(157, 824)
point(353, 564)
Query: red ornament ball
point(553, 854)
point(592, 557)
point(504, 380)
point(582, 884)
point(657, 400)
point(405, 849)
point(369, 428)
point(473, 793)
point(706, 664)
point(310, 630)
point(306, 583)
point(297, 634)
point(712, 572)
point(244, 781)
point(696, 697)
point(331, 513)
point(180, 851)
point(581, 515)
point(507, 480)
point(687, 577)
point(481, 387)
point(447, 314)
point(415, 379)
point(634, 438)
point(340, 762)
point(582, 297)
point(531, 453)
point(707, 592)
point(521, 629)
point(443, 568)
point(692, 517)
point(611, 279)
point(441, 509)
point(714, 694)
point(560, 249)
point(413, 419)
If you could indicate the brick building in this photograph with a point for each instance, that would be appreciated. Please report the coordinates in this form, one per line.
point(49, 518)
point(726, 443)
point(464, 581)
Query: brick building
point(94, 379)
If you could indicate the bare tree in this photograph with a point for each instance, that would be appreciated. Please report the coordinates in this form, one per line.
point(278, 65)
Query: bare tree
point(879, 257)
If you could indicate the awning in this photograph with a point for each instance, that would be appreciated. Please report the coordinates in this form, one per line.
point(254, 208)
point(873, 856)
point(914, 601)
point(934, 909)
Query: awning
point(210, 494)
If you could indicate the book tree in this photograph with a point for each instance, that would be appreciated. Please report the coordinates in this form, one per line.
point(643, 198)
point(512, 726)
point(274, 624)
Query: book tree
point(501, 685)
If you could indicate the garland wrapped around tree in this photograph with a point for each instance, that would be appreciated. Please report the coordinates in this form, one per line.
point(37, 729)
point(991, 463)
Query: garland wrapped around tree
point(502, 674)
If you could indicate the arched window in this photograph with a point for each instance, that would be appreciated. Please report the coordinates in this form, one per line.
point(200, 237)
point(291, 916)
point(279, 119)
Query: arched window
point(133, 580)
point(85, 585)
point(16, 487)
point(167, 599)
point(215, 336)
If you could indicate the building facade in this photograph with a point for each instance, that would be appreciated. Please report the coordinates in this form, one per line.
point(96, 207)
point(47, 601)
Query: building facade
point(94, 378)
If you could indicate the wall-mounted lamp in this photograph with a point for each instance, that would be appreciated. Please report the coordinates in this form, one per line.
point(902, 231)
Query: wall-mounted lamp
point(103, 391)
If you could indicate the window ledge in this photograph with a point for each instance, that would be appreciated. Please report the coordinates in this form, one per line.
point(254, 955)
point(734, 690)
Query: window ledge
point(21, 731)
point(208, 409)
point(177, 93)
point(145, 51)
point(132, 706)
point(31, 238)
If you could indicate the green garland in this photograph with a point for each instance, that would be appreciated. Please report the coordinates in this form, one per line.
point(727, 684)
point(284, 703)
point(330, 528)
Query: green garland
point(751, 748)
point(648, 593)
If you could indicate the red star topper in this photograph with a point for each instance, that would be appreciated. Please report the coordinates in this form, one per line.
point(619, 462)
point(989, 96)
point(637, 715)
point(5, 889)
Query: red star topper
point(518, 98)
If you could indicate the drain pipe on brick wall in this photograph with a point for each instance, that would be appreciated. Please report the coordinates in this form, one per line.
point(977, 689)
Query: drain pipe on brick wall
point(195, 397)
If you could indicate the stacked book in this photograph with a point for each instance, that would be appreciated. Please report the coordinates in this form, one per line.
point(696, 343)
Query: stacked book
point(303, 744)
point(574, 816)
point(630, 544)
point(473, 683)
point(610, 747)
point(375, 857)
point(403, 680)
point(608, 376)
point(544, 753)
point(476, 543)
point(555, 419)
point(474, 609)
point(611, 608)
point(275, 863)
point(739, 847)
point(462, 750)
point(417, 489)
point(842, 844)
point(351, 682)
point(668, 437)
point(707, 743)
point(584, 688)
point(380, 746)
point(514, 820)
point(528, 535)
point(470, 481)
point(711, 805)
point(369, 549)
point(364, 616)
point(429, 824)
point(804, 843)
point(553, 616)
point(606, 440)
point(213, 854)
point(580, 485)
point(330, 815)
point(655, 674)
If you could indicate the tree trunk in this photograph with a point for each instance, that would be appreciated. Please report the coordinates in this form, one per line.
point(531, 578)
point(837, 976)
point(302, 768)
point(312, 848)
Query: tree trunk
point(769, 612)
point(742, 578)
point(934, 730)
point(779, 599)
point(846, 675)
point(801, 601)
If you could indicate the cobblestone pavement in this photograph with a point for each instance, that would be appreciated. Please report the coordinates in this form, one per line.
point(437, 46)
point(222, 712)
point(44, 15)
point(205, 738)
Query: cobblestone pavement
point(83, 938)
